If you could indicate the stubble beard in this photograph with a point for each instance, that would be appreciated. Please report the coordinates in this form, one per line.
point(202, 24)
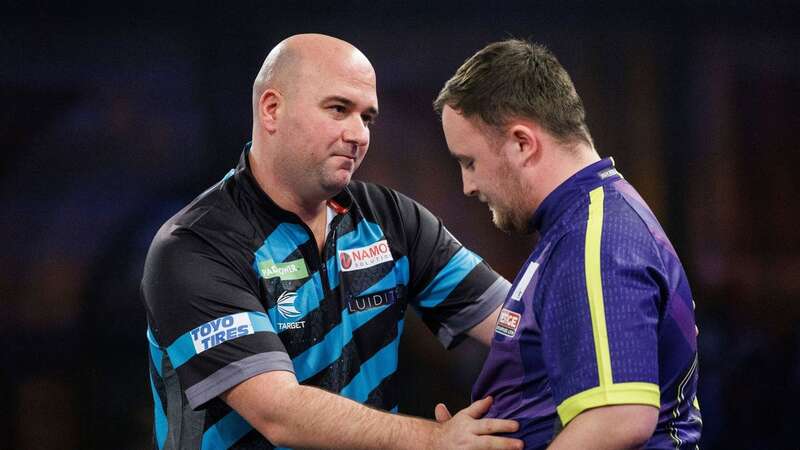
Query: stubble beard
point(333, 181)
point(512, 218)
point(509, 221)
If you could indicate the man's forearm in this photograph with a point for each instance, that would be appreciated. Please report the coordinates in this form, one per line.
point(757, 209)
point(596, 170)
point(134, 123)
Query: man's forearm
point(293, 415)
point(313, 418)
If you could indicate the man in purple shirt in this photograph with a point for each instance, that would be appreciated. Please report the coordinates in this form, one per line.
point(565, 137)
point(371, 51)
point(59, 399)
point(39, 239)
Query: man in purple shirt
point(596, 345)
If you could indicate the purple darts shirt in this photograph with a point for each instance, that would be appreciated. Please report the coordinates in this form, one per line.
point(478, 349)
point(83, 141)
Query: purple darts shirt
point(600, 314)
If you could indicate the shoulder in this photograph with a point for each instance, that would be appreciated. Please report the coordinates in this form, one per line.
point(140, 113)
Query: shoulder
point(631, 236)
point(372, 195)
point(213, 217)
point(610, 221)
point(383, 204)
point(209, 230)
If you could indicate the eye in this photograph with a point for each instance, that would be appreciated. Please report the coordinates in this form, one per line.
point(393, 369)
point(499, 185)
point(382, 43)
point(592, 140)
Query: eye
point(368, 119)
point(338, 109)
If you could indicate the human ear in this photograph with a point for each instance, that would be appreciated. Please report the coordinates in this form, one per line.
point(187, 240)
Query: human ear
point(268, 107)
point(524, 148)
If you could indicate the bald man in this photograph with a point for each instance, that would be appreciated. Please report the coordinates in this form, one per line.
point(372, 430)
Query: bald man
point(275, 300)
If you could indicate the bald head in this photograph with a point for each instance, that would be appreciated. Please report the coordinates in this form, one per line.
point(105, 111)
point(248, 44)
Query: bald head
point(298, 57)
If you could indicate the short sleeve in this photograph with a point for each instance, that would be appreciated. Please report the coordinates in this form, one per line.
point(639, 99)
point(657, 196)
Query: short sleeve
point(206, 318)
point(598, 310)
point(452, 288)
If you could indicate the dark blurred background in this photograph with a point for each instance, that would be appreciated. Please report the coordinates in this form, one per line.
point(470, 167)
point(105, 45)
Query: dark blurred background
point(114, 116)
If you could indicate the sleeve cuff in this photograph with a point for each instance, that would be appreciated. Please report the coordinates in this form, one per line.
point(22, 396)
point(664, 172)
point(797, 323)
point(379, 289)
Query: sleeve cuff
point(452, 332)
point(615, 394)
point(234, 373)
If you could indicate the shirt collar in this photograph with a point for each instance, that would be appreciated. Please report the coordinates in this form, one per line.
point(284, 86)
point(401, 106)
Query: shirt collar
point(564, 196)
point(341, 202)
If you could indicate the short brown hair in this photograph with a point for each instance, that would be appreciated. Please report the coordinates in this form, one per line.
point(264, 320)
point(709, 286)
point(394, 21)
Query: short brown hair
point(517, 78)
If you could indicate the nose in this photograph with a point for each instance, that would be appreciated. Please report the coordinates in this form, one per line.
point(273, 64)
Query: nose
point(356, 132)
point(470, 190)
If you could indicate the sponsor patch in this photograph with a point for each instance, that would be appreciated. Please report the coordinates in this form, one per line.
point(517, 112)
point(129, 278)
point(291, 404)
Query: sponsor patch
point(364, 257)
point(217, 331)
point(607, 173)
point(289, 270)
point(524, 281)
point(375, 300)
point(286, 305)
point(507, 323)
point(287, 309)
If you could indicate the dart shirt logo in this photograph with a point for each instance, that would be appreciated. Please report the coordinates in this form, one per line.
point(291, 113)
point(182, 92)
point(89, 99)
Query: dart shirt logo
point(365, 257)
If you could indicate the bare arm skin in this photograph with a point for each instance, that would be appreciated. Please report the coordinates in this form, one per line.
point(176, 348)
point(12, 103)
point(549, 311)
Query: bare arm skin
point(613, 427)
point(484, 331)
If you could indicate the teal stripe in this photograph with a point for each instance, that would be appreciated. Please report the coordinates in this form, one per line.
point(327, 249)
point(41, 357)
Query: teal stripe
point(374, 371)
point(320, 356)
point(183, 349)
point(399, 276)
point(226, 432)
point(363, 234)
point(459, 266)
point(160, 418)
point(333, 272)
point(281, 243)
point(310, 294)
point(260, 322)
point(156, 354)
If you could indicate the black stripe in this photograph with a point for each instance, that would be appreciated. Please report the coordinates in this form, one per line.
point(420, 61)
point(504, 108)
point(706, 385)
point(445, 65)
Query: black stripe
point(161, 392)
point(329, 313)
point(199, 367)
point(385, 395)
point(158, 383)
point(480, 278)
point(367, 340)
point(214, 411)
point(253, 440)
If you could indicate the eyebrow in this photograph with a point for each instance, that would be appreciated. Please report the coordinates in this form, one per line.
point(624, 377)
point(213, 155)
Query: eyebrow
point(460, 158)
point(349, 103)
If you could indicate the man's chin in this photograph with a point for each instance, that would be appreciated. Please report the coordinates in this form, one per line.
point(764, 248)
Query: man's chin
point(336, 184)
point(508, 223)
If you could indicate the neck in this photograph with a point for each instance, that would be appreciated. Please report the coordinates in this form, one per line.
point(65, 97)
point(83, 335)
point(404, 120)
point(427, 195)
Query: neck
point(309, 209)
point(556, 166)
point(284, 193)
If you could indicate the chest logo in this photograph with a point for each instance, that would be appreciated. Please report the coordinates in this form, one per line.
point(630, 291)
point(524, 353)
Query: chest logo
point(364, 257)
point(507, 323)
point(290, 270)
point(369, 301)
point(286, 305)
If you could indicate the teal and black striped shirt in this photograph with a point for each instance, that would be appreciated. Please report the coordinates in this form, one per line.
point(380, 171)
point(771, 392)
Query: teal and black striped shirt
point(234, 286)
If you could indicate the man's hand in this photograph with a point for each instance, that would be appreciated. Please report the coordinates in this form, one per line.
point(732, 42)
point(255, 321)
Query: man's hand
point(441, 413)
point(466, 430)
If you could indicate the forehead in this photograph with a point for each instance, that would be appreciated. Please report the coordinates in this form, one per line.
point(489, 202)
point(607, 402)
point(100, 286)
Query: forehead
point(343, 75)
point(464, 136)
